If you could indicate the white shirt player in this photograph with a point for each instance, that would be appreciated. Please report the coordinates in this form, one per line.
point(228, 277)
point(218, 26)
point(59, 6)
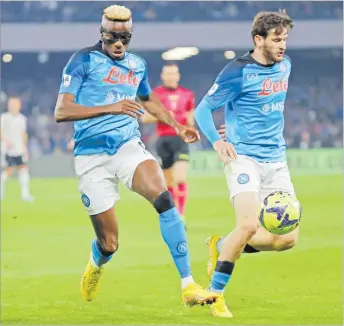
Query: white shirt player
point(13, 134)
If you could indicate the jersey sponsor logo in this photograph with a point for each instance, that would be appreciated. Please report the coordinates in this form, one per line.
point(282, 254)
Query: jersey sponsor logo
point(251, 76)
point(113, 98)
point(273, 107)
point(115, 76)
point(213, 89)
point(66, 80)
point(173, 100)
point(270, 87)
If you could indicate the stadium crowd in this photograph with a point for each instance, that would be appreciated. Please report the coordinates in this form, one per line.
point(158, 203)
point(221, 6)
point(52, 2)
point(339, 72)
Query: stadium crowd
point(147, 11)
point(314, 107)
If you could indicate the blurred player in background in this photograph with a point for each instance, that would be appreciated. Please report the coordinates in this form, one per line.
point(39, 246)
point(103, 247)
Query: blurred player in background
point(171, 149)
point(98, 91)
point(253, 89)
point(14, 141)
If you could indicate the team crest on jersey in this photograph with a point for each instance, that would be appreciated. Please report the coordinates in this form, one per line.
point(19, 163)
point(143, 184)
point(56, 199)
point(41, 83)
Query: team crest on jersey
point(132, 63)
point(66, 80)
point(213, 89)
point(283, 67)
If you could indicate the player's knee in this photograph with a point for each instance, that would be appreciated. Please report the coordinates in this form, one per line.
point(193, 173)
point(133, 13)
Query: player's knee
point(164, 202)
point(248, 228)
point(109, 244)
point(285, 242)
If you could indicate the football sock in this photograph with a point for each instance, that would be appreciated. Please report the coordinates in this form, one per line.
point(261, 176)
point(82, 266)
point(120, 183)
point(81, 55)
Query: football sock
point(182, 194)
point(221, 276)
point(24, 180)
point(173, 233)
point(99, 256)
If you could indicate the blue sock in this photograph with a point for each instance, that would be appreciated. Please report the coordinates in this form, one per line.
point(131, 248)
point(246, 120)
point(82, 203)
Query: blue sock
point(173, 232)
point(98, 255)
point(222, 274)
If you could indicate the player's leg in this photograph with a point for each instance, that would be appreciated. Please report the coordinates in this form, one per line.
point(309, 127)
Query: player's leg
point(277, 179)
point(180, 169)
point(98, 188)
point(244, 182)
point(142, 174)
point(6, 173)
point(24, 180)
point(169, 178)
point(166, 162)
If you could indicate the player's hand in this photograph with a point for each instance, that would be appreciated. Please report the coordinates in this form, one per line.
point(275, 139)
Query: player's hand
point(225, 151)
point(127, 107)
point(222, 132)
point(188, 134)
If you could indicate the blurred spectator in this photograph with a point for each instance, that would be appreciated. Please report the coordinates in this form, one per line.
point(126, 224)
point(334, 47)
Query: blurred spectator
point(313, 111)
point(75, 11)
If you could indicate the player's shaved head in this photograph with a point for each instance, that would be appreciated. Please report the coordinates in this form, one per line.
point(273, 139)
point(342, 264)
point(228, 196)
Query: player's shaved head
point(14, 104)
point(116, 30)
point(170, 75)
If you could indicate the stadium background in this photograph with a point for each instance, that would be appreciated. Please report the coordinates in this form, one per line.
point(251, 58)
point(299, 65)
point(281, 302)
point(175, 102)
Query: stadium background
point(45, 244)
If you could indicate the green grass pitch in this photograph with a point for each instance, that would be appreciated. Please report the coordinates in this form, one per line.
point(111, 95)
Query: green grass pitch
point(45, 247)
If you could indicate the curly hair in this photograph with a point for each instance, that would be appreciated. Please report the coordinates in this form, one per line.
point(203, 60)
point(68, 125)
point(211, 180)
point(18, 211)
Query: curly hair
point(265, 21)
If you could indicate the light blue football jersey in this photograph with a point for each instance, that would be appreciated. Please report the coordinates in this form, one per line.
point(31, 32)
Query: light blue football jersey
point(254, 96)
point(96, 79)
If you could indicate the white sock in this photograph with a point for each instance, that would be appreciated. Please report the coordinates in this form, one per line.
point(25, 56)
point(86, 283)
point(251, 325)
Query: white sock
point(3, 181)
point(186, 281)
point(24, 180)
point(93, 262)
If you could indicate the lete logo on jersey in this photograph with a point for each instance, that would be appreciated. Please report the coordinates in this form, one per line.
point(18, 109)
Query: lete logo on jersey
point(270, 87)
point(115, 76)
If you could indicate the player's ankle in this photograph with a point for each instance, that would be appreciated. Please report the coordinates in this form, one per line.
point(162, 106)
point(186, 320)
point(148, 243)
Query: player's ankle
point(186, 281)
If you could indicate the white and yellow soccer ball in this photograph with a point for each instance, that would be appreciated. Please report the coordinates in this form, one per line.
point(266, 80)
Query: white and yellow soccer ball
point(280, 213)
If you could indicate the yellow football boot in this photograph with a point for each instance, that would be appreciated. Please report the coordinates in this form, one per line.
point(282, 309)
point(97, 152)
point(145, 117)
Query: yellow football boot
point(90, 281)
point(194, 294)
point(220, 309)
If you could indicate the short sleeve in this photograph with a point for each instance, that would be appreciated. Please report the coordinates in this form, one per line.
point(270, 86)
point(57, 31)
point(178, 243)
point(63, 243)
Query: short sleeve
point(144, 87)
point(74, 73)
point(227, 86)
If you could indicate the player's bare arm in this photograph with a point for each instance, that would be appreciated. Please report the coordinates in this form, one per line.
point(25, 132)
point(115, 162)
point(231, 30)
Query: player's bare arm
point(148, 118)
point(67, 110)
point(154, 107)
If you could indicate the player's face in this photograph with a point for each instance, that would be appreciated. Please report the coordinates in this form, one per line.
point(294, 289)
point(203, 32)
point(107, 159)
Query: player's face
point(170, 76)
point(14, 105)
point(275, 45)
point(116, 37)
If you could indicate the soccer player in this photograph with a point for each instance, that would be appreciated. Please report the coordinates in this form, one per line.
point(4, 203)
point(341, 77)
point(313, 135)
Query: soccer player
point(14, 143)
point(171, 149)
point(253, 89)
point(98, 91)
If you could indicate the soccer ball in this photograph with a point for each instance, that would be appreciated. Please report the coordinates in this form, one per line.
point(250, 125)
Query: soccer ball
point(280, 213)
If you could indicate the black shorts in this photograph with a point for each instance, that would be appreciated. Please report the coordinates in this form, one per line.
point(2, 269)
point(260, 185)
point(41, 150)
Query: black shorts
point(14, 160)
point(171, 149)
